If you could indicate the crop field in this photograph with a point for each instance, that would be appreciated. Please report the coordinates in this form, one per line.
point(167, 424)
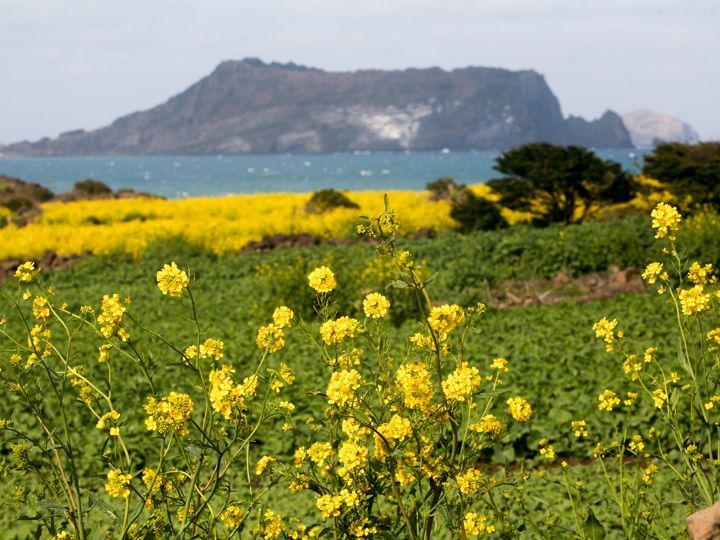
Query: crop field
point(389, 402)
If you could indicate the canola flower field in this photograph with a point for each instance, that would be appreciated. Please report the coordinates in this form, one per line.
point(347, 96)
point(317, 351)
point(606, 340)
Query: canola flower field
point(568, 441)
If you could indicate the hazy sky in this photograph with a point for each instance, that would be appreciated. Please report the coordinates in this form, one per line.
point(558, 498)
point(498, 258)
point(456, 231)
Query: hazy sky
point(67, 64)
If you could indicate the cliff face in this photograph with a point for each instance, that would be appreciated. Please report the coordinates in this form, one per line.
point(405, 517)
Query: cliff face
point(647, 127)
point(248, 106)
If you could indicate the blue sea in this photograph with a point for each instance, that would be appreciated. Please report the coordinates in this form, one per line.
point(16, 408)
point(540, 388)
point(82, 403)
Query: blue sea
point(190, 176)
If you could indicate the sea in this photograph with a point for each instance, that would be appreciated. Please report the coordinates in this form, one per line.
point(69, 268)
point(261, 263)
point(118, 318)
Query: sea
point(193, 176)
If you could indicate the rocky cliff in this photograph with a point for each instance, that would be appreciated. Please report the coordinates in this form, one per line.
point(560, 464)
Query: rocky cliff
point(249, 106)
point(647, 128)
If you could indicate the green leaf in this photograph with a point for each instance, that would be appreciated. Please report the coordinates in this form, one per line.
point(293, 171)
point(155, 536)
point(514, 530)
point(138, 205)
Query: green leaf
point(592, 528)
point(397, 284)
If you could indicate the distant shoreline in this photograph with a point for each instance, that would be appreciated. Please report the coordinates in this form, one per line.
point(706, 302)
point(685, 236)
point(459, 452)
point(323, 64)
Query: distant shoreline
point(194, 176)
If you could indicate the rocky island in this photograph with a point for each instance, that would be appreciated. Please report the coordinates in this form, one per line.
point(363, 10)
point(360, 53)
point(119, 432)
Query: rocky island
point(249, 106)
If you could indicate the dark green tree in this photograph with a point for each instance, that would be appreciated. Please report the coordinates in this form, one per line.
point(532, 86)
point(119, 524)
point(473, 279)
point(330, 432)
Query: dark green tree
point(691, 172)
point(474, 213)
point(559, 184)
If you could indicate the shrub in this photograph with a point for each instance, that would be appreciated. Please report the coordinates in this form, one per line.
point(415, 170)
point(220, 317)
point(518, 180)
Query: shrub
point(474, 213)
point(325, 200)
point(92, 187)
point(691, 172)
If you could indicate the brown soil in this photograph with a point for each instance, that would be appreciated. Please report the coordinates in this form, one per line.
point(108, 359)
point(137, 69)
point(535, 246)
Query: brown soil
point(565, 288)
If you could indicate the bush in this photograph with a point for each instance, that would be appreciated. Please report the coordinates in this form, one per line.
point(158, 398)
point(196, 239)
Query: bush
point(325, 200)
point(93, 187)
point(474, 213)
point(445, 189)
point(691, 172)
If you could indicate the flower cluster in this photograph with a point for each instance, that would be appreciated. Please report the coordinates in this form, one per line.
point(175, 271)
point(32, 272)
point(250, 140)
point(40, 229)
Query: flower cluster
point(461, 383)
point(322, 280)
point(336, 330)
point(443, 319)
point(376, 306)
point(169, 413)
point(666, 219)
point(172, 280)
point(227, 398)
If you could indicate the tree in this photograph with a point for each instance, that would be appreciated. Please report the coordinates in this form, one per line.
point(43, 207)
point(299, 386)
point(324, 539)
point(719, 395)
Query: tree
point(691, 172)
point(472, 213)
point(559, 184)
point(325, 200)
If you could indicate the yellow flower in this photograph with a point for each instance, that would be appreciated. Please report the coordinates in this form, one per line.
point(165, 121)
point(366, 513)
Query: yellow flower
point(117, 483)
point(322, 280)
point(647, 474)
point(342, 387)
point(41, 308)
point(415, 384)
point(579, 428)
point(519, 409)
point(352, 456)
point(694, 300)
point(488, 424)
point(461, 383)
point(168, 413)
point(336, 330)
point(171, 280)
point(469, 481)
point(700, 275)
point(270, 338)
point(605, 330)
point(318, 454)
point(608, 400)
point(104, 353)
point(228, 398)
point(500, 364)
point(26, 272)
point(475, 525)
point(547, 450)
point(714, 335)
point(332, 505)
point(397, 429)
point(443, 319)
point(272, 525)
point(109, 421)
point(282, 316)
point(376, 306)
point(652, 272)
point(659, 397)
point(111, 314)
point(212, 348)
point(637, 444)
point(263, 463)
point(665, 219)
point(152, 480)
point(232, 516)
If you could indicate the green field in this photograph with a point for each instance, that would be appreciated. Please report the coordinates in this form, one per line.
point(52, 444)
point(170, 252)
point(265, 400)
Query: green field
point(556, 362)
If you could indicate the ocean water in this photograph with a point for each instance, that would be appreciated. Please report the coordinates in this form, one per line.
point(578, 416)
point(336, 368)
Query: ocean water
point(189, 176)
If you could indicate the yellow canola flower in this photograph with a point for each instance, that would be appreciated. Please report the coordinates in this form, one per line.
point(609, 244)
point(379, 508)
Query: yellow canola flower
point(653, 271)
point(666, 219)
point(376, 306)
point(519, 409)
point(336, 330)
point(172, 280)
point(26, 272)
point(168, 413)
point(342, 388)
point(461, 383)
point(415, 384)
point(270, 337)
point(443, 319)
point(475, 525)
point(322, 280)
point(608, 400)
point(694, 300)
point(117, 483)
point(282, 316)
point(232, 516)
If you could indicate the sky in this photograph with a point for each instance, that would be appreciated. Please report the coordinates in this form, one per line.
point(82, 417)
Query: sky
point(68, 64)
